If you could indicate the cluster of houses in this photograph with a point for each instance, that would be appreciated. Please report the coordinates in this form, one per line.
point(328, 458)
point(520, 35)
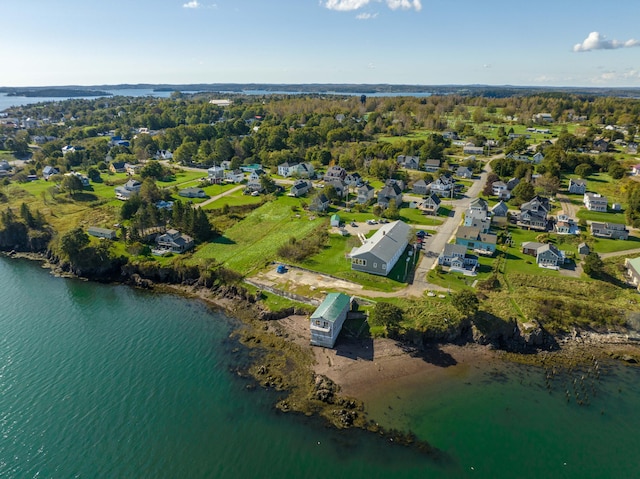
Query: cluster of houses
point(473, 238)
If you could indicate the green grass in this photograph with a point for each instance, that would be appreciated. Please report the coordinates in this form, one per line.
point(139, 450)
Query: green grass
point(416, 217)
point(332, 260)
point(253, 242)
point(605, 245)
point(585, 214)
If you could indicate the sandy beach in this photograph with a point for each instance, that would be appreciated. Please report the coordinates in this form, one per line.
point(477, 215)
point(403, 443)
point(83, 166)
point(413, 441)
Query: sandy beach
point(365, 369)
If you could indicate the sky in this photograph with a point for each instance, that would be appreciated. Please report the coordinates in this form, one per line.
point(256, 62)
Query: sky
point(421, 42)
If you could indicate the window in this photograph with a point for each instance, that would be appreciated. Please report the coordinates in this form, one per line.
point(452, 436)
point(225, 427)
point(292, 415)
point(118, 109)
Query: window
point(358, 261)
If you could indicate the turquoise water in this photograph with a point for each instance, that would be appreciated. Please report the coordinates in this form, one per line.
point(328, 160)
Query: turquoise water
point(107, 381)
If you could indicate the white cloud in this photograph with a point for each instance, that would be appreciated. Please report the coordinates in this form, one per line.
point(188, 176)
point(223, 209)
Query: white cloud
point(597, 41)
point(192, 4)
point(350, 5)
point(366, 16)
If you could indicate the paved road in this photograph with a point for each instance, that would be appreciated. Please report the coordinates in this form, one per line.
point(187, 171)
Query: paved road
point(445, 232)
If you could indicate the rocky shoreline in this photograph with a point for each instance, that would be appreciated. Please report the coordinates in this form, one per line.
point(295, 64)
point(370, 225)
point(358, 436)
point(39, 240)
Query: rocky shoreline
point(318, 381)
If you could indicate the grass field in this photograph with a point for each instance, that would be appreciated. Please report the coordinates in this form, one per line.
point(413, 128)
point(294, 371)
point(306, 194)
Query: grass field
point(253, 242)
point(611, 217)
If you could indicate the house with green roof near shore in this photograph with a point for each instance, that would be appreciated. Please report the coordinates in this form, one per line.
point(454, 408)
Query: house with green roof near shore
point(327, 320)
point(633, 270)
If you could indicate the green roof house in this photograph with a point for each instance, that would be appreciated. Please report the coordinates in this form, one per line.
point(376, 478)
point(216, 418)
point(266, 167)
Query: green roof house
point(335, 220)
point(328, 318)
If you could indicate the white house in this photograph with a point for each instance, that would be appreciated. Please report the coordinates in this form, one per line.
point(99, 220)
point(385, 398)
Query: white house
point(327, 320)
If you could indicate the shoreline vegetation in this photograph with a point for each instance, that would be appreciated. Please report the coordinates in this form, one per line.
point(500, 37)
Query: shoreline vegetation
point(335, 384)
point(422, 320)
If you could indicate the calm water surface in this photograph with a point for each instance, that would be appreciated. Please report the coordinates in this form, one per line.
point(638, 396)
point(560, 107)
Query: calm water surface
point(106, 381)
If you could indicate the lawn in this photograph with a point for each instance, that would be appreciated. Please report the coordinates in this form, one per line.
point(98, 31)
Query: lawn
point(236, 198)
point(610, 217)
point(253, 242)
point(605, 245)
point(332, 260)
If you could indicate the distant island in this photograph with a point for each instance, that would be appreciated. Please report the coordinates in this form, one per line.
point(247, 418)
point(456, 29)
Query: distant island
point(57, 92)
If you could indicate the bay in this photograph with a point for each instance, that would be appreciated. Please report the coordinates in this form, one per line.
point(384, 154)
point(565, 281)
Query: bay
point(107, 381)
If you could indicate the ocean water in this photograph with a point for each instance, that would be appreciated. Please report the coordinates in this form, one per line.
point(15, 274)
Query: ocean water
point(107, 381)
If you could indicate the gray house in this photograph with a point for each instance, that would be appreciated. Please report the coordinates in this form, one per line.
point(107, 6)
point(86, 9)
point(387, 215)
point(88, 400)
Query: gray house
point(131, 187)
point(380, 253)
point(327, 320)
point(192, 193)
point(577, 186)
point(432, 165)
point(420, 187)
point(431, 204)
point(409, 162)
point(500, 209)
point(464, 172)
point(610, 230)
point(548, 256)
point(455, 256)
point(391, 192)
point(320, 203)
point(300, 188)
point(335, 172)
point(101, 232)
point(365, 194)
point(583, 249)
point(174, 241)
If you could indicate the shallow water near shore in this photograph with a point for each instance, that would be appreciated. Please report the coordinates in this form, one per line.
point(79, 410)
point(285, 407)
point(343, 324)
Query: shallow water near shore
point(107, 381)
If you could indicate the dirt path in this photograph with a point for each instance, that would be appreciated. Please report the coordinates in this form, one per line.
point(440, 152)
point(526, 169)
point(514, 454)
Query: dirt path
point(221, 195)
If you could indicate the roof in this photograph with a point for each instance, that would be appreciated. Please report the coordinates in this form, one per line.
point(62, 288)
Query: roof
point(532, 245)
point(451, 249)
point(634, 263)
point(331, 307)
point(385, 242)
point(549, 247)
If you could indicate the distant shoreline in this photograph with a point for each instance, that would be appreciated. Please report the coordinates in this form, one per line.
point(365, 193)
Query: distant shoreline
point(379, 89)
point(57, 92)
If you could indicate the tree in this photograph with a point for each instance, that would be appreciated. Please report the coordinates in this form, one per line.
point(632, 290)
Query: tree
point(516, 146)
point(616, 171)
point(153, 169)
point(94, 174)
point(71, 184)
point(488, 187)
point(465, 301)
point(268, 184)
point(523, 191)
point(548, 184)
point(149, 191)
point(73, 241)
point(583, 170)
point(387, 315)
point(593, 265)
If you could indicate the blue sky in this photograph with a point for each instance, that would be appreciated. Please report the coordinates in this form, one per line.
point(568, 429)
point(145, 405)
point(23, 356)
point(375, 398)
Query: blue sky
point(495, 42)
